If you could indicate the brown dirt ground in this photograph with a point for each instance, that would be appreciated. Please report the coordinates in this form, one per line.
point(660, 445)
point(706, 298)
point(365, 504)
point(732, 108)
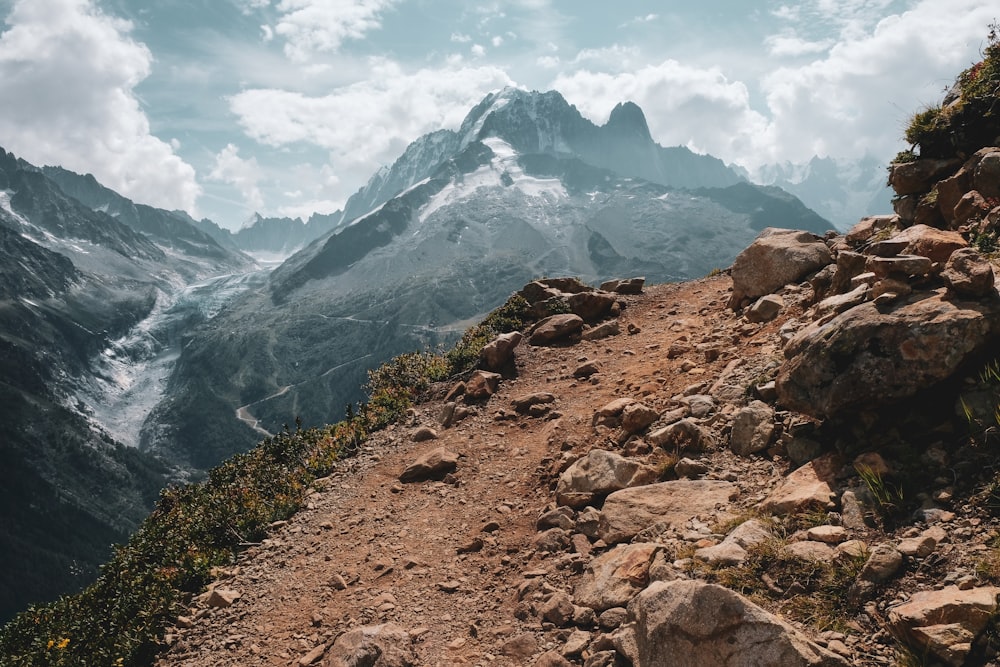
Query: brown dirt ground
point(397, 545)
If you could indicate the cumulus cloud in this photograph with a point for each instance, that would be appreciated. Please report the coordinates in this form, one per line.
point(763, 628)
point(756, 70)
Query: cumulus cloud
point(243, 174)
point(316, 26)
point(694, 107)
point(67, 79)
point(370, 122)
point(792, 45)
point(839, 105)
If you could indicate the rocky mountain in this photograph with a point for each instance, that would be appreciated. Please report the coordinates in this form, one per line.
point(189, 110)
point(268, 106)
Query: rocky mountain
point(842, 191)
point(269, 238)
point(76, 284)
point(525, 188)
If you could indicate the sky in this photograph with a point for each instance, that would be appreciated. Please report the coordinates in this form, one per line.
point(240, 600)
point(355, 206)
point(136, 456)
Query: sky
point(223, 108)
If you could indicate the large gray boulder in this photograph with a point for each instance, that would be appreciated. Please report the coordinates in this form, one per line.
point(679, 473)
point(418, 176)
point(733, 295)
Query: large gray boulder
point(629, 511)
point(694, 624)
point(776, 258)
point(868, 356)
point(597, 474)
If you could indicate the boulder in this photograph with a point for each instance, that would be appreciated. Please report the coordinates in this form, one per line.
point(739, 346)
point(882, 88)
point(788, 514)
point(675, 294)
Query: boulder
point(592, 306)
point(423, 434)
point(866, 357)
point(610, 413)
point(598, 474)
point(945, 622)
point(435, 464)
point(732, 550)
point(987, 175)
point(765, 309)
point(901, 265)
point(972, 207)
point(524, 402)
point(637, 416)
point(613, 578)
point(968, 273)
point(602, 331)
point(624, 286)
point(909, 178)
point(629, 511)
point(555, 327)
point(706, 625)
point(683, 434)
point(482, 385)
point(753, 428)
point(386, 645)
point(934, 244)
point(805, 488)
point(869, 227)
point(776, 258)
point(499, 352)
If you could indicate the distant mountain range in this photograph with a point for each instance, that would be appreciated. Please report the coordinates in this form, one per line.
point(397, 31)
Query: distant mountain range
point(525, 187)
point(139, 345)
point(83, 269)
point(842, 191)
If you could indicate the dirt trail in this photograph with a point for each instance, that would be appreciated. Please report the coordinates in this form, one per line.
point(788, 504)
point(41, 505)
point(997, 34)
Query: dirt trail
point(409, 553)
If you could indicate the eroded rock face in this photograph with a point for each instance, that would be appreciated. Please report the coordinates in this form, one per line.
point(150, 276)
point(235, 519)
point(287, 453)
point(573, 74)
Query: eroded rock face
point(705, 625)
point(385, 645)
point(776, 258)
point(865, 356)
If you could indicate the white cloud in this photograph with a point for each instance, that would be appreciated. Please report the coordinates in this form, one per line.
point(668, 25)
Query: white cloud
point(843, 104)
point(497, 41)
point(368, 123)
point(478, 50)
point(316, 26)
point(67, 74)
point(698, 108)
point(243, 174)
point(639, 20)
point(460, 38)
point(793, 46)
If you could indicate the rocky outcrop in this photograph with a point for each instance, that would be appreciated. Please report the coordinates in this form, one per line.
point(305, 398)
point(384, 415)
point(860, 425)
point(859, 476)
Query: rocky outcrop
point(869, 355)
point(554, 328)
point(778, 257)
point(705, 625)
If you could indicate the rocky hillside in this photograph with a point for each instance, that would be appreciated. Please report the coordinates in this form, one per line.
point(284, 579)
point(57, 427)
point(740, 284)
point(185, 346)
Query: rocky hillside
point(629, 470)
point(791, 463)
point(527, 187)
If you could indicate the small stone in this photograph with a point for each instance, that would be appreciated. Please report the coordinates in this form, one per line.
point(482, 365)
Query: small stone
point(221, 598)
point(827, 534)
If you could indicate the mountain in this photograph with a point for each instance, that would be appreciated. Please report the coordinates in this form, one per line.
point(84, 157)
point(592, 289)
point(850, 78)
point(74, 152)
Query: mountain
point(842, 191)
point(76, 286)
point(526, 187)
point(267, 238)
